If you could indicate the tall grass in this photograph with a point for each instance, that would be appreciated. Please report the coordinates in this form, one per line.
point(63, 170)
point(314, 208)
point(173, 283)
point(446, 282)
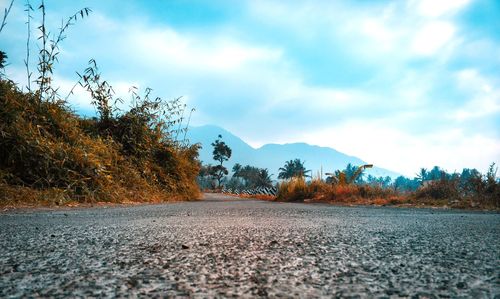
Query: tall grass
point(49, 154)
point(294, 189)
point(298, 189)
point(45, 146)
point(477, 191)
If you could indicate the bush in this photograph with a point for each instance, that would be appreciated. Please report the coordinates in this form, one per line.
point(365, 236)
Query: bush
point(46, 148)
point(471, 189)
point(295, 189)
point(298, 189)
point(50, 154)
point(439, 189)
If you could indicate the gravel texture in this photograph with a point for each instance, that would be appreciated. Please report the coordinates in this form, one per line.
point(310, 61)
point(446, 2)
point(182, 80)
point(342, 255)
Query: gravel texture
point(224, 247)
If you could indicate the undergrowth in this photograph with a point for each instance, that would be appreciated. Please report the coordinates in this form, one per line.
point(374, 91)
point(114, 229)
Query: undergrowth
point(477, 192)
point(49, 154)
point(297, 189)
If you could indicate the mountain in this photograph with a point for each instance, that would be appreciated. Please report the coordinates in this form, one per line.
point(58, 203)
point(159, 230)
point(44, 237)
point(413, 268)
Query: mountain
point(274, 156)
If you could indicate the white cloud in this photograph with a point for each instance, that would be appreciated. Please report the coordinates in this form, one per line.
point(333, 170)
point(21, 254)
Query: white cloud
point(80, 98)
point(484, 96)
point(261, 93)
point(433, 8)
point(377, 29)
point(397, 31)
point(393, 148)
point(290, 91)
point(168, 47)
point(472, 80)
point(433, 36)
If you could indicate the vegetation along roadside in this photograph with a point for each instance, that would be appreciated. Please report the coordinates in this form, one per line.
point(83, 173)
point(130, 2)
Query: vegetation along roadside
point(50, 155)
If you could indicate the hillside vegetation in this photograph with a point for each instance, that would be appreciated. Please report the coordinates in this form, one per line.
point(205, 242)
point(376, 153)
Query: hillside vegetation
point(468, 189)
point(49, 154)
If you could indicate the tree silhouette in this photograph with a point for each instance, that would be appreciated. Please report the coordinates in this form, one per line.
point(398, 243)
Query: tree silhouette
point(422, 175)
point(252, 177)
point(237, 168)
point(264, 178)
point(221, 153)
point(292, 168)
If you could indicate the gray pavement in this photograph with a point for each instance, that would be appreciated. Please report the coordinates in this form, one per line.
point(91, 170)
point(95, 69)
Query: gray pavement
point(225, 247)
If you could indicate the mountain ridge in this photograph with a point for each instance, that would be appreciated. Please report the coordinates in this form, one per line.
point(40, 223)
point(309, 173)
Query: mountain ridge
point(273, 155)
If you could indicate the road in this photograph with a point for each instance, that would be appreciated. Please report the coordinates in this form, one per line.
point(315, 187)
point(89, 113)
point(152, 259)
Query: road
point(226, 246)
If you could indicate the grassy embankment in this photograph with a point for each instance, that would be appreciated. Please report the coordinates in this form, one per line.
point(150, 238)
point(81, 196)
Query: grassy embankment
point(483, 193)
point(51, 156)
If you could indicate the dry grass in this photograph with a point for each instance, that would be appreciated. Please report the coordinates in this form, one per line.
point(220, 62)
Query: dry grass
point(297, 189)
point(437, 194)
point(49, 155)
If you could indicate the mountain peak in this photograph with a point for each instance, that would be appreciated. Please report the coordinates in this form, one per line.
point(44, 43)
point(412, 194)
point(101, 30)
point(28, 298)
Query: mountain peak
point(273, 156)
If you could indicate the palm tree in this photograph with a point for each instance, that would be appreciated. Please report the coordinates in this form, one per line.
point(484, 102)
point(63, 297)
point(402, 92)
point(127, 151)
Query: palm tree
point(293, 168)
point(264, 178)
point(237, 170)
point(422, 175)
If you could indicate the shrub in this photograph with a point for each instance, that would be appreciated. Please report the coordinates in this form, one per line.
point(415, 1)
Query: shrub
point(295, 189)
point(298, 189)
point(46, 147)
point(439, 189)
point(47, 151)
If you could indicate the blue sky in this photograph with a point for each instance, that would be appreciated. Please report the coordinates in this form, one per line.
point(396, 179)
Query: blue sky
point(401, 84)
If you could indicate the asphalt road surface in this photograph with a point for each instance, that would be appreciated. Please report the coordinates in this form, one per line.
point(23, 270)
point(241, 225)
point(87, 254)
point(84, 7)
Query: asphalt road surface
point(224, 247)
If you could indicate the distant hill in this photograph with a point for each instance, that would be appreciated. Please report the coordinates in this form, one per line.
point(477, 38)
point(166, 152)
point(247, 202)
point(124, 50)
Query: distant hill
point(274, 156)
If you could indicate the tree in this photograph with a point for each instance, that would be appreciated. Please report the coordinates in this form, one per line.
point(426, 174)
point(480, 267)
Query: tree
point(436, 173)
point(353, 174)
point(218, 172)
point(221, 153)
point(251, 176)
point(264, 178)
point(205, 178)
point(293, 168)
point(422, 176)
point(237, 170)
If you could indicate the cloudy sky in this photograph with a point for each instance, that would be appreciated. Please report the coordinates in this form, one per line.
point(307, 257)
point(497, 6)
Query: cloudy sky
point(401, 84)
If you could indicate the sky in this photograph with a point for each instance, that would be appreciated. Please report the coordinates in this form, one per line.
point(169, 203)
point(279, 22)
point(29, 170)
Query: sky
point(401, 84)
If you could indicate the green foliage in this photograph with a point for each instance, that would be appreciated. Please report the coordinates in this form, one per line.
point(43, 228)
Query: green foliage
point(100, 91)
point(218, 173)
point(350, 175)
point(221, 153)
point(404, 184)
point(384, 182)
point(49, 51)
point(435, 187)
point(205, 179)
point(252, 177)
point(470, 188)
point(293, 169)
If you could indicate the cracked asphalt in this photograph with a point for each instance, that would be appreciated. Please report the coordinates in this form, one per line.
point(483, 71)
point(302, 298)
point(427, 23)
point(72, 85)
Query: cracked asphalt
point(225, 246)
